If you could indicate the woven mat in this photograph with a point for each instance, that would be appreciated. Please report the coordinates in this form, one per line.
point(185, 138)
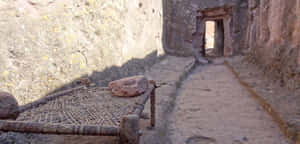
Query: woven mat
point(93, 106)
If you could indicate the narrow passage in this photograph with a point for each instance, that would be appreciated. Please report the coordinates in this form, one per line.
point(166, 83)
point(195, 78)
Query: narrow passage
point(213, 108)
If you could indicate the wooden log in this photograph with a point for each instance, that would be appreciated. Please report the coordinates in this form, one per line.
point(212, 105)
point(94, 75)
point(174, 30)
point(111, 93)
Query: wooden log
point(129, 130)
point(67, 129)
point(152, 105)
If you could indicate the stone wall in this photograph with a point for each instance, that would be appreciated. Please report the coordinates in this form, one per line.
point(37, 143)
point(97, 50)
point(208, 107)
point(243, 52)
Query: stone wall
point(273, 38)
point(47, 44)
point(180, 23)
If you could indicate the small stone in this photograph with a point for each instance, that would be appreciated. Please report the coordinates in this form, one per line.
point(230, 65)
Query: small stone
point(245, 139)
point(129, 87)
point(9, 108)
point(84, 81)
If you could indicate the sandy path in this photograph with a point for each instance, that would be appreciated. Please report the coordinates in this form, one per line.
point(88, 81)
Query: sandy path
point(212, 108)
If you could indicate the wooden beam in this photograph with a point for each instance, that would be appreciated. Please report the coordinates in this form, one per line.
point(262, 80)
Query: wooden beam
point(66, 129)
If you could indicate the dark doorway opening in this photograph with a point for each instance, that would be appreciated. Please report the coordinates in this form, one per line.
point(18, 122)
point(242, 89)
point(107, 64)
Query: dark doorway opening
point(214, 38)
point(219, 38)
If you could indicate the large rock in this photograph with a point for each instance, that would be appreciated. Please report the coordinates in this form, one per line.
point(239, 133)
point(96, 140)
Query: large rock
point(128, 87)
point(9, 108)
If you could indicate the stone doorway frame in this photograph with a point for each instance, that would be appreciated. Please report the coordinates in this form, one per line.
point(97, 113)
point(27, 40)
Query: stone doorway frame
point(217, 14)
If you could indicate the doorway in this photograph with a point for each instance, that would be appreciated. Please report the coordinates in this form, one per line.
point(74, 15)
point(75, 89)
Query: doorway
point(209, 36)
point(214, 38)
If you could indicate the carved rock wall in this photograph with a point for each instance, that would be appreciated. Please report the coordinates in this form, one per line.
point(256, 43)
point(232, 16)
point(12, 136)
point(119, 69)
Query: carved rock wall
point(180, 23)
point(46, 44)
point(273, 38)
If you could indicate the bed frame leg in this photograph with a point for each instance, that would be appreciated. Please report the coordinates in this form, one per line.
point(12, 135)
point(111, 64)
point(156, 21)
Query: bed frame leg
point(129, 130)
point(152, 101)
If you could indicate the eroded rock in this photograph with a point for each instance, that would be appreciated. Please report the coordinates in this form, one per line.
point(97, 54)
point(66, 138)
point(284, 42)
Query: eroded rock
point(128, 87)
point(9, 108)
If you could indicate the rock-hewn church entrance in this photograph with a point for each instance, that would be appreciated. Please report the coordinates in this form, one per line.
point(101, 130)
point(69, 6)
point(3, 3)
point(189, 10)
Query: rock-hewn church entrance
point(214, 38)
point(218, 43)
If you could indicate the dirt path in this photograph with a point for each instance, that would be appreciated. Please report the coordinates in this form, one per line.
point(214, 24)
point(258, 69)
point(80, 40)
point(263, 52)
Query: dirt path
point(212, 108)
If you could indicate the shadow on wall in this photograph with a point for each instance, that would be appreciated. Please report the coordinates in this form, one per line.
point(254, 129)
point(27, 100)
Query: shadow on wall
point(165, 27)
point(66, 40)
point(130, 68)
point(102, 78)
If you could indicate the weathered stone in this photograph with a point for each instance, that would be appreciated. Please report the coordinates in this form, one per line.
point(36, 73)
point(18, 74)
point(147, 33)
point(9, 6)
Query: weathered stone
point(104, 40)
point(273, 38)
point(9, 108)
point(182, 23)
point(130, 86)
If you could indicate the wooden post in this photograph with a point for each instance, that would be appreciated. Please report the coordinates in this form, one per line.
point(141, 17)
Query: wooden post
point(152, 101)
point(129, 130)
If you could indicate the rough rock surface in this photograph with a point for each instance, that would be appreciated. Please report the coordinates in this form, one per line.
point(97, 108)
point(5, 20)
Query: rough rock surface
point(9, 108)
point(273, 38)
point(180, 23)
point(130, 86)
point(285, 102)
point(47, 44)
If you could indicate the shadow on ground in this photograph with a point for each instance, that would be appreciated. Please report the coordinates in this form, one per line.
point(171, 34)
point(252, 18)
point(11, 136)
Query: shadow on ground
point(100, 78)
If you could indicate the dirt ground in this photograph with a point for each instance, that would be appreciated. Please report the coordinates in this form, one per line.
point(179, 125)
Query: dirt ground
point(208, 106)
point(213, 108)
point(285, 101)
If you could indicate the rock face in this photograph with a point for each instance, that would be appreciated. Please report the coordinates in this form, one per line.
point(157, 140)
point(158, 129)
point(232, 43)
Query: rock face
point(180, 23)
point(128, 87)
point(273, 38)
point(47, 44)
point(9, 108)
point(268, 29)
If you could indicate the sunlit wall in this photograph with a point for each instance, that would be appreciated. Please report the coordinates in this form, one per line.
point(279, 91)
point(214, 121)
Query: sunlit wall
point(46, 44)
